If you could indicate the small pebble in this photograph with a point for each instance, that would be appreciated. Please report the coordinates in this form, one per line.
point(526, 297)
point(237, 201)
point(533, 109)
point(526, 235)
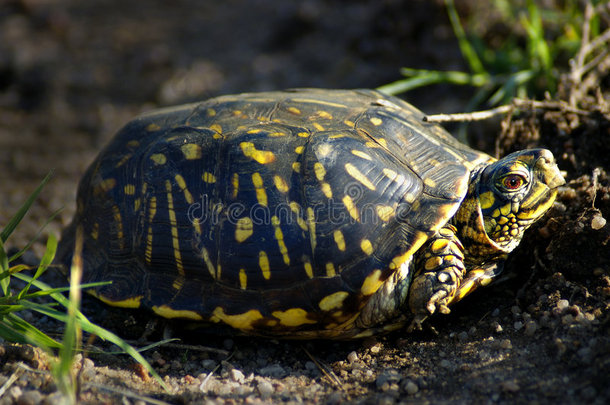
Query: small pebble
point(530, 328)
point(29, 398)
point(518, 325)
point(352, 357)
point(310, 365)
point(444, 363)
point(264, 388)
point(496, 327)
point(598, 222)
point(375, 348)
point(237, 376)
point(562, 304)
point(274, 370)
point(462, 336)
point(410, 387)
point(495, 312)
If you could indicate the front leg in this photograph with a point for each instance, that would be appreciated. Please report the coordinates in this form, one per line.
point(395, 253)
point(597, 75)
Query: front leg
point(439, 270)
point(441, 278)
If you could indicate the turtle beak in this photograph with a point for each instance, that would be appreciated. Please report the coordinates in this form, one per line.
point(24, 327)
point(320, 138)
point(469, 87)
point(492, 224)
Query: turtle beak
point(544, 189)
point(547, 171)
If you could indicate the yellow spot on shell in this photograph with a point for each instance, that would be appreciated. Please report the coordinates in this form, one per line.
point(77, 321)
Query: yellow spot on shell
point(308, 269)
point(376, 121)
point(361, 154)
point(133, 302)
point(296, 208)
point(366, 246)
point(429, 182)
point(280, 184)
point(95, 231)
point(389, 173)
point(358, 176)
point(239, 321)
point(129, 189)
point(371, 283)
point(311, 225)
point(292, 317)
point(235, 184)
point(324, 114)
point(384, 212)
point(296, 166)
point(326, 190)
point(106, 185)
point(167, 312)
point(191, 151)
point(303, 134)
point(211, 112)
point(319, 170)
point(208, 177)
point(158, 158)
point(243, 229)
point(339, 240)
point(349, 123)
point(243, 279)
point(263, 263)
point(153, 127)
point(261, 194)
point(351, 207)
point(174, 227)
point(216, 128)
point(261, 156)
point(279, 236)
point(208, 263)
point(318, 127)
point(299, 149)
point(330, 269)
point(294, 110)
point(333, 301)
point(382, 142)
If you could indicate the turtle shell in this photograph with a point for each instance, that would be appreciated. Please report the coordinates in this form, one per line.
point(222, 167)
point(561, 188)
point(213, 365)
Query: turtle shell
point(275, 213)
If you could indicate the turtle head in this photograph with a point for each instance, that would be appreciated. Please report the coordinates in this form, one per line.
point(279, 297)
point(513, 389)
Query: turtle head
point(516, 191)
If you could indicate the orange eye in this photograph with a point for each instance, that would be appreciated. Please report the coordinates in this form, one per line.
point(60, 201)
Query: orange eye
point(513, 182)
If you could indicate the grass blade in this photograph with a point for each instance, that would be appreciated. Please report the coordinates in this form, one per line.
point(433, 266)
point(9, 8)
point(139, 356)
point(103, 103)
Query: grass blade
point(16, 219)
point(475, 64)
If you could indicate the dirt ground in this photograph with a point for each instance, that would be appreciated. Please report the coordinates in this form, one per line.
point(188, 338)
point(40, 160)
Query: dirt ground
point(73, 72)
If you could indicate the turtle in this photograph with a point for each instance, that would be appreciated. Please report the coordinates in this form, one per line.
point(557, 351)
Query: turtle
point(304, 213)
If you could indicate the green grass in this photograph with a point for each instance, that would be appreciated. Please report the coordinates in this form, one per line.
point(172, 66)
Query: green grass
point(524, 62)
point(14, 328)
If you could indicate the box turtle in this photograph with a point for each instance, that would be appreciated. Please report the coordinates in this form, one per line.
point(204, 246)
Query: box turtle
point(304, 213)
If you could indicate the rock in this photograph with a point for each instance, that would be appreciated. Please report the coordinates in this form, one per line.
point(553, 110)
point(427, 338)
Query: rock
point(530, 328)
point(352, 357)
point(409, 386)
point(30, 398)
point(388, 379)
point(274, 370)
point(237, 376)
point(510, 386)
point(265, 389)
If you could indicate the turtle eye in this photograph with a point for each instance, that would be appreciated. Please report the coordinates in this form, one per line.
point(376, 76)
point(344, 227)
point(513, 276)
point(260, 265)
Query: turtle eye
point(513, 182)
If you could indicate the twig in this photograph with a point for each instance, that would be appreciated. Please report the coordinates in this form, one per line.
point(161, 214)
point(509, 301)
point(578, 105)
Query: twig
point(504, 109)
point(472, 116)
point(10, 381)
point(325, 370)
